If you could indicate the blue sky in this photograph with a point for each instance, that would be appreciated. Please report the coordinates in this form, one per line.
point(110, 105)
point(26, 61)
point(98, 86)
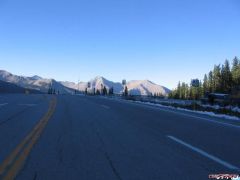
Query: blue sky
point(164, 41)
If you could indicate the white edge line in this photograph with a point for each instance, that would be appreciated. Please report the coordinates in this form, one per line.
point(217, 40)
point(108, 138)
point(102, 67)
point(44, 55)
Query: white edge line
point(203, 153)
point(202, 118)
point(167, 109)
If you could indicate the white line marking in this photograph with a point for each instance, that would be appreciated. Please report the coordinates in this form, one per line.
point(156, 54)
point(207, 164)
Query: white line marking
point(167, 109)
point(27, 104)
point(106, 107)
point(202, 118)
point(209, 156)
point(4, 104)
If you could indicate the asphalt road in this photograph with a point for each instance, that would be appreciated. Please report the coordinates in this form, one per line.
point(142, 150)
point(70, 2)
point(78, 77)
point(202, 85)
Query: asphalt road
point(78, 137)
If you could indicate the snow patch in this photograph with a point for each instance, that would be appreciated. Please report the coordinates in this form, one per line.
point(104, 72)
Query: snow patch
point(199, 112)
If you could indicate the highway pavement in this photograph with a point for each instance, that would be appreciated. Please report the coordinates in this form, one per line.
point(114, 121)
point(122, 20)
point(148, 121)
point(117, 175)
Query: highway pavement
point(45, 137)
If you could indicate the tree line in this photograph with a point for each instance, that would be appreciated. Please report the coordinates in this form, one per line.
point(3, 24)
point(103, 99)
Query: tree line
point(53, 91)
point(224, 78)
point(104, 91)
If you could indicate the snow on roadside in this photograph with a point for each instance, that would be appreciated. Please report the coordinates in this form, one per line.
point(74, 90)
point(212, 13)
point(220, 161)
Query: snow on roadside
point(199, 112)
point(231, 108)
point(175, 101)
point(213, 114)
point(210, 106)
point(236, 109)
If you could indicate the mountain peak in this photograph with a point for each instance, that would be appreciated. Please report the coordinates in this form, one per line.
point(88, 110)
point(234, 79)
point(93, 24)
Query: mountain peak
point(35, 77)
point(6, 73)
point(99, 78)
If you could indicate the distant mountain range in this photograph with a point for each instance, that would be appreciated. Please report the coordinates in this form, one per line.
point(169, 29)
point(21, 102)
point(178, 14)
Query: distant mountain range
point(6, 87)
point(137, 87)
point(34, 82)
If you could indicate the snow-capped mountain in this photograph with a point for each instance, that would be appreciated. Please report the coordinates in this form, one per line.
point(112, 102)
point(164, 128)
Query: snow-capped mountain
point(99, 81)
point(6, 87)
point(34, 82)
point(36, 77)
point(146, 87)
point(137, 87)
point(69, 84)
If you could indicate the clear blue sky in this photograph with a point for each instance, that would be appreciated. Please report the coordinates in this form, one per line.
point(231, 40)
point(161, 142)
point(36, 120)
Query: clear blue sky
point(164, 41)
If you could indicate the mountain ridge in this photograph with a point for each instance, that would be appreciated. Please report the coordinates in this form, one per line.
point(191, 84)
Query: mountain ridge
point(135, 87)
point(6, 87)
point(34, 82)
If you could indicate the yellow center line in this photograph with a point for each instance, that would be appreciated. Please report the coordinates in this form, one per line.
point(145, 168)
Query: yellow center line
point(15, 161)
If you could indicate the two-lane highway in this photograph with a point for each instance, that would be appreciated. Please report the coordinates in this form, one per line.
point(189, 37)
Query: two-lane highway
point(98, 138)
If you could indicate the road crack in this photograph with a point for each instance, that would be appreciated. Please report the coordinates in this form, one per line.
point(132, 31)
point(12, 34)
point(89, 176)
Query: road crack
point(116, 173)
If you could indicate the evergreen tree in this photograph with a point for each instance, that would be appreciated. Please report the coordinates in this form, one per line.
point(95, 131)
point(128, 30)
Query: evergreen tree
point(170, 95)
point(187, 91)
point(200, 90)
point(217, 78)
point(126, 91)
point(183, 91)
point(205, 84)
point(104, 91)
point(98, 92)
point(111, 91)
point(50, 91)
point(222, 79)
point(178, 94)
point(210, 82)
point(226, 78)
point(101, 88)
point(236, 72)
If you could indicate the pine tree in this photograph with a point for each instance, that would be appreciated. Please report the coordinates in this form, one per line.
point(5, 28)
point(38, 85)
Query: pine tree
point(205, 84)
point(178, 94)
point(183, 91)
point(101, 88)
point(226, 78)
point(104, 91)
point(126, 91)
point(210, 82)
point(50, 90)
point(217, 78)
point(98, 92)
point(236, 72)
point(191, 92)
point(200, 90)
point(111, 91)
point(187, 91)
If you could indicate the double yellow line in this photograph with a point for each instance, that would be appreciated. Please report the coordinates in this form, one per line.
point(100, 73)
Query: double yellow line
point(15, 161)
